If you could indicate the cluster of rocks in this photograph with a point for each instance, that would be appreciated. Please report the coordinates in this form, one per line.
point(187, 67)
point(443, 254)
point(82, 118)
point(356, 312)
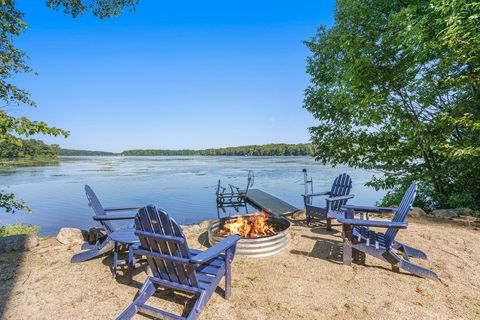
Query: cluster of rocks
point(452, 213)
point(74, 236)
point(18, 242)
point(67, 236)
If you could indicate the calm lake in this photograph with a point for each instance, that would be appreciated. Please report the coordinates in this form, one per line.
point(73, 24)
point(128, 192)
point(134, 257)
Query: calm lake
point(184, 186)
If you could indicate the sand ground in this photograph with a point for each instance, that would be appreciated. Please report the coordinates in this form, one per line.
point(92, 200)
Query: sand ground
point(306, 281)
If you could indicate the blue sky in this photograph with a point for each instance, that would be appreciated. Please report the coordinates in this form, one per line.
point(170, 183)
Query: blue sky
point(173, 74)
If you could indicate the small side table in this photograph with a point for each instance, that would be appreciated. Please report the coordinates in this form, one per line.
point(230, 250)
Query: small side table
point(124, 237)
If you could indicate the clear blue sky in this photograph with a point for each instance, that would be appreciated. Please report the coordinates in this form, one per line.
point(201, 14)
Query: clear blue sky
point(173, 74)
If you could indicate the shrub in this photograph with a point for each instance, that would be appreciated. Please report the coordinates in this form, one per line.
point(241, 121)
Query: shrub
point(18, 228)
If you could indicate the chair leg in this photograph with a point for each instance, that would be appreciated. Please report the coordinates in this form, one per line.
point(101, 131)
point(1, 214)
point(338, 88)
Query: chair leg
point(197, 307)
point(146, 291)
point(115, 259)
point(347, 244)
point(87, 246)
point(228, 274)
point(410, 251)
point(130, 263)
point(329, 224)
point(98, 250)
point(418, 270)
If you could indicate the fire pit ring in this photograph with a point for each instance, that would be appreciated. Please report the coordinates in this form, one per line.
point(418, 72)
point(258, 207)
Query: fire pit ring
point(255, 247)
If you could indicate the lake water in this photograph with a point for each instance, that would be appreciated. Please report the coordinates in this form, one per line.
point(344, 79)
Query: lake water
point(184, 186)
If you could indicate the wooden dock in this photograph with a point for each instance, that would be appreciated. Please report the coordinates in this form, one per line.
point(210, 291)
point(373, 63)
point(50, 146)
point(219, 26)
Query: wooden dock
point(269, 203)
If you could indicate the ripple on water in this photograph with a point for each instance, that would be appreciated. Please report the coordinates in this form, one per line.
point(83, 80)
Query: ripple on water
point(184, 186)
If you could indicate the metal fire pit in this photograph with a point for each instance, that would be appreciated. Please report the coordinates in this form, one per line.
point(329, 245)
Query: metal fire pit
point(255, 247)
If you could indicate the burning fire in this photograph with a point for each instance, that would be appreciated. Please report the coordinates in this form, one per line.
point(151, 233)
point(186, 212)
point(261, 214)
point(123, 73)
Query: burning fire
point(248, 227)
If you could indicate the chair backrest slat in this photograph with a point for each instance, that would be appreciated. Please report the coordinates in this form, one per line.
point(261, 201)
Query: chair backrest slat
point(173, 247)
point(190, 268)
point(168, 266)
point(341, 187)
point(403, 209)
point(161, 245)
point(158, 266)
point(97, 208)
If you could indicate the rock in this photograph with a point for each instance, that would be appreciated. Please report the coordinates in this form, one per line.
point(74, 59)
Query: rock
point(299, 215)
point(467, 220)
point(96, 234)
point(417, 212)
point(452, 213)
point(72, 236)
point(467, 212)
point(205, 224)
point(18, 242)
point(194, 227)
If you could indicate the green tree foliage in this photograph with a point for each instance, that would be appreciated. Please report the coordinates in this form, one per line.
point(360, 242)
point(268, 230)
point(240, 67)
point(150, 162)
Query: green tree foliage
point(19, 228)
point(394, 85)
point(10, 204)
point(99, 8)
point(13, 61)
point(28, 149)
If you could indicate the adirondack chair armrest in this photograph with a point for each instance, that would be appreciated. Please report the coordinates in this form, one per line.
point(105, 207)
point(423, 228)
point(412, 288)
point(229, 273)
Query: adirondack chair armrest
point(367, 208)
point(326, 193)
point(373, 223)
point(110, 217)
point(215, 250)
point(121, 209)
point(158, 236)
point(349, 196)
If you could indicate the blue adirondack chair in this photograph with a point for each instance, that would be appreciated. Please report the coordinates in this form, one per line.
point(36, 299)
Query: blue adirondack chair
point(176, 266)
point(337, 198)
point(105, 216)
point(358, 235)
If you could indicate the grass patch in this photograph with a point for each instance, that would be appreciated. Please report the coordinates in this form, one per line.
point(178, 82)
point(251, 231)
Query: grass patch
point(18, 228)
point(348, 306)
point(27, 162)
point(388, 305)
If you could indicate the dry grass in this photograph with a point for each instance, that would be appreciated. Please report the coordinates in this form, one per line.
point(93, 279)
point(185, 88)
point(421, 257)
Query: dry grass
point(306, 281)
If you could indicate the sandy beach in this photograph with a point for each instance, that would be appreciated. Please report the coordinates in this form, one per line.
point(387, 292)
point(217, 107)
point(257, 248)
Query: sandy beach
point(305, 281)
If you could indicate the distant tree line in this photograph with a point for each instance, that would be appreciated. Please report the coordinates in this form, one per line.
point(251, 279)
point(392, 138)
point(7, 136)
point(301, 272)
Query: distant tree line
point(278, 149)
point(37, 149)
point(30, 148)
point(74, 152)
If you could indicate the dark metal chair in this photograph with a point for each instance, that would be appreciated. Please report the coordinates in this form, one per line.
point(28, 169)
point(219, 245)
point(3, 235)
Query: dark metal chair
point(234, 197)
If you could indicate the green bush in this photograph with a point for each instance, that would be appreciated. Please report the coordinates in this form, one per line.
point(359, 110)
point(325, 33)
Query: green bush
point(399, 93)
point(18, 228)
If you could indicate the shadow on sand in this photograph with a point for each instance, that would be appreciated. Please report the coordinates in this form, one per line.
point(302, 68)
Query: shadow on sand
point(179, 298)
point(11, 264)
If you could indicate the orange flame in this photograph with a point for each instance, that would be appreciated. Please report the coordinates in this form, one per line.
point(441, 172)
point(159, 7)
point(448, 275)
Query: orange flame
point(248, 227)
